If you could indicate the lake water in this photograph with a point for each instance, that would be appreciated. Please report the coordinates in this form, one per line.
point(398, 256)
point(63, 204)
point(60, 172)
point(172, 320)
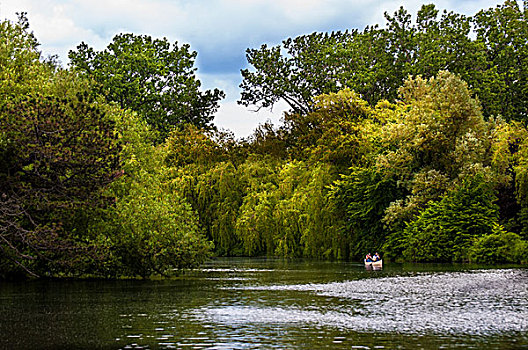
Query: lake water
point(268, 304)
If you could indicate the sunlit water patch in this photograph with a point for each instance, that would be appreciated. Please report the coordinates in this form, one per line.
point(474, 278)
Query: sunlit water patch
point(480, 302)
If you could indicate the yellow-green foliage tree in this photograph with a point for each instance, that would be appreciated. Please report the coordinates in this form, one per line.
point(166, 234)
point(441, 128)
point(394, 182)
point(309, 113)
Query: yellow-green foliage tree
point(202, 168)
point(444, 153)
point(438, 140)
point(151, 228)
point(289, 214)
point(521, 172)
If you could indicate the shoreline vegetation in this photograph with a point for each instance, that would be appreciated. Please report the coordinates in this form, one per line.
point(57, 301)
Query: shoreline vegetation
point(410, 140)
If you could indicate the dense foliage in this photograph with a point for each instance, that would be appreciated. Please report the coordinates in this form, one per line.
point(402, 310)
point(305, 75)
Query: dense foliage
point(150, 76)
point(417, 180)
point(409, 140)
point(70, 184)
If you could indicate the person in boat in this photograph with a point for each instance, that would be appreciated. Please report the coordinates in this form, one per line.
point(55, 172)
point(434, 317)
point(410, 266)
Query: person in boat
point(376, 257)
point(368, 258)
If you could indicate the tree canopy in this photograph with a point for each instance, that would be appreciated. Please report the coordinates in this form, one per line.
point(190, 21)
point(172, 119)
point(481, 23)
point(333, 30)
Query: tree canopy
point(375, 62)
point(70, 183)
point(152, 77)
point(58, 152)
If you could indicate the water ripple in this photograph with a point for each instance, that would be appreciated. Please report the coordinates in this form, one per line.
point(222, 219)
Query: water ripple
point(482, 302)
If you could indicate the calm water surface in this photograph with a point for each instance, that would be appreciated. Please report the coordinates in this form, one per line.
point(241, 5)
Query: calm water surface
point(266, 304)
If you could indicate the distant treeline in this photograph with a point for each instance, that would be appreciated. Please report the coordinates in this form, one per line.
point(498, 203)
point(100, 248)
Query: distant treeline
point(409, 140)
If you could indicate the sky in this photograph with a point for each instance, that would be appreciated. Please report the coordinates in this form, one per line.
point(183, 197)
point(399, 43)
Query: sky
point(219, 30)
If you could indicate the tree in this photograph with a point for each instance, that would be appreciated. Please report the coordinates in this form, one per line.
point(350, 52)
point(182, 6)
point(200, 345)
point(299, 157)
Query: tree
point(521, 184)
point(58, 151)
point(508, 167)
point(59, 154)
point(150, 228)
point(341, 130)
point(22, 68)
point(255, 226)
point(191, 145)
point(163, 239)
point(503, 31)
point(438, 140)
point(287, 212)
point(445, 231)
point(152, 77)
point(310, 69)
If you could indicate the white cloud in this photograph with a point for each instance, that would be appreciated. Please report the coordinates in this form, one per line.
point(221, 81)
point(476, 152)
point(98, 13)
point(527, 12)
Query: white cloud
point(212, 25)
point(242, 121)
point(232, 116)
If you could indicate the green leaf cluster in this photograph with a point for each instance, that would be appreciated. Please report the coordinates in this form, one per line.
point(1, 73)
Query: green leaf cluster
point(499, 246)
point(446, 229)
point(149, 76)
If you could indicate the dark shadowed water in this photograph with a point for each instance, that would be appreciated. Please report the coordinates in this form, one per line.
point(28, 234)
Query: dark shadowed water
point(263, 304)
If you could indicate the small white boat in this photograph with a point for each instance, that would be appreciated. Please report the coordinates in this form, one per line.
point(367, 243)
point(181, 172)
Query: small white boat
point(375, 265)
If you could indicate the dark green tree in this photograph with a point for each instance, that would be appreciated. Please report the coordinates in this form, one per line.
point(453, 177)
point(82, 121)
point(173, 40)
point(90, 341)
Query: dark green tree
point(362, 198)
point(152, 77)
point(503, 31)
point(58, 156)
point(57, 152)
point(445, 231)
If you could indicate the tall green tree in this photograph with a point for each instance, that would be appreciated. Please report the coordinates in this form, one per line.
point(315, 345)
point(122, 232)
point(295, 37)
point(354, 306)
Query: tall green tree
point(152, 77)
point(255, 226)
point(205, 167)
point(19, 57)
point(503, 31)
